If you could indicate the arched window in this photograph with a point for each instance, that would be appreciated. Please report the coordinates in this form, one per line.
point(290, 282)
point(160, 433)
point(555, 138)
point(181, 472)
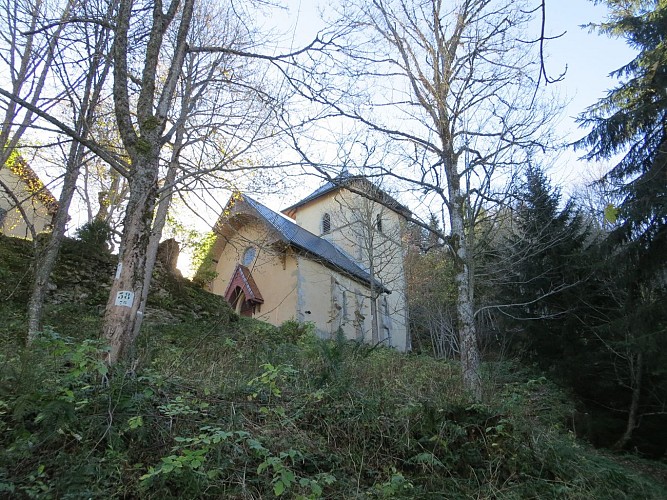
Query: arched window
point(248, 256)
point(326, 223)
point(378, 222)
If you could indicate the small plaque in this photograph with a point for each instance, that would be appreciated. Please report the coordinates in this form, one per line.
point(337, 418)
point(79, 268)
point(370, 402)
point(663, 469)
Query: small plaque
point(125, 298)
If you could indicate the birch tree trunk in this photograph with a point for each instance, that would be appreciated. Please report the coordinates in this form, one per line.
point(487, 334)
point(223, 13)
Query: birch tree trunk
point(465, 303)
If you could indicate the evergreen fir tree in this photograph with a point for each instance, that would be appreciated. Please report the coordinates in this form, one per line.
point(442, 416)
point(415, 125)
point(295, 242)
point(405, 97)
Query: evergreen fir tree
point(545, 271)
point(632, 120)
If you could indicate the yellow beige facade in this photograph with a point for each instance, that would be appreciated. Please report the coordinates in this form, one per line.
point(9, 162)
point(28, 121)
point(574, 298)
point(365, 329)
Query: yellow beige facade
point(354, 229)
point(274, 270)
point(296, 284)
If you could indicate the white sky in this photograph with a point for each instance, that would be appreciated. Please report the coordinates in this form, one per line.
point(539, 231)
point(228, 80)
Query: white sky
point(589, 59)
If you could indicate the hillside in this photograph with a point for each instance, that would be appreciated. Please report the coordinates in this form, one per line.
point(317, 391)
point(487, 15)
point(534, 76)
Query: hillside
point(215, 406)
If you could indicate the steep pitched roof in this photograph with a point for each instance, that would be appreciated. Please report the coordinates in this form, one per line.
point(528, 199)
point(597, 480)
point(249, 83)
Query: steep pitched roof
point(243, 278)
point(318, 248)
point(345, 179)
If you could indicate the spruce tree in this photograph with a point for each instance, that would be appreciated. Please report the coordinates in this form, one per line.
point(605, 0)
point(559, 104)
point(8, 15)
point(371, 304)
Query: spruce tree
point(631, 120)
point(544, 252)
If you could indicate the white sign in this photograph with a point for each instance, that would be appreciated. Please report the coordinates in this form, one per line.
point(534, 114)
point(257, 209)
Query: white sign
point(125, 298)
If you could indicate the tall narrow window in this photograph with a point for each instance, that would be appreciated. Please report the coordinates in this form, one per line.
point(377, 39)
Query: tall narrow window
point(378, 222)
point(336, 300)
point(385, 320)
point(248, 256)
point(359, 317)
point(326, 223)
point(344, 300)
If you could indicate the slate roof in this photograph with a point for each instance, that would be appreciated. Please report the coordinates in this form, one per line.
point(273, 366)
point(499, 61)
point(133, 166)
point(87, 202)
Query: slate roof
point(343, 179)
point(306, 241)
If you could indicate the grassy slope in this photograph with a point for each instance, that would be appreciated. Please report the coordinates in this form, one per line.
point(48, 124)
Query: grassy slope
point(224, 408)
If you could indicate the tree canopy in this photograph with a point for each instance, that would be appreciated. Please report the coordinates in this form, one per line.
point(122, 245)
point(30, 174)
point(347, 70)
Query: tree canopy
point(632, 120)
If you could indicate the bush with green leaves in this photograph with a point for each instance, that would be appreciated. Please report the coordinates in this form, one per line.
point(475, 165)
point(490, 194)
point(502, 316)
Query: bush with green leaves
point(244, 410)
point(95, 235)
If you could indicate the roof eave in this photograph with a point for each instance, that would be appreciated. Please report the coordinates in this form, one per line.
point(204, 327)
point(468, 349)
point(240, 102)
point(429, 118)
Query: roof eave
point(338, 269)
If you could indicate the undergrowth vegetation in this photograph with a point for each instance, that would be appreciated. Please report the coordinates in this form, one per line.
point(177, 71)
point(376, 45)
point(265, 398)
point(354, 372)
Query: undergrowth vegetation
point(252, 411)
point(212, 406)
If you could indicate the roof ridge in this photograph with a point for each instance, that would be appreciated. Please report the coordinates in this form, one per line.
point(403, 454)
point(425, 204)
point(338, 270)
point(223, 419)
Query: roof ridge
point(346, 179)
point(316, 245)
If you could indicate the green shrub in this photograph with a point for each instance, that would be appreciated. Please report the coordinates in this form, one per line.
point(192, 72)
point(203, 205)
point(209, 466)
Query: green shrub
point(95, 235)
point(212, 408)
point(202, 260)
point(222, 415)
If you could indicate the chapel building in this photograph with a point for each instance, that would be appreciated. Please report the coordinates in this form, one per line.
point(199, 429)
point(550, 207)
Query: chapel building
point(335, 258)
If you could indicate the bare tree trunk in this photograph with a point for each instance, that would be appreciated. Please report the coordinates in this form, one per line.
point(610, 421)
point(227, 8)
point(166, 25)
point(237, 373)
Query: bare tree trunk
point(46, 257)
point(187, 101)
point(469, 349)
point(151, 252)
point(144, 147)
point(636, 370)
point(127, 289)
point(470, 358)
point(156, 233)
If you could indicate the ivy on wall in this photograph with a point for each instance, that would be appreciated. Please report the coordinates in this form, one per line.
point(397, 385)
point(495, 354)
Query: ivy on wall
point(34, 185)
